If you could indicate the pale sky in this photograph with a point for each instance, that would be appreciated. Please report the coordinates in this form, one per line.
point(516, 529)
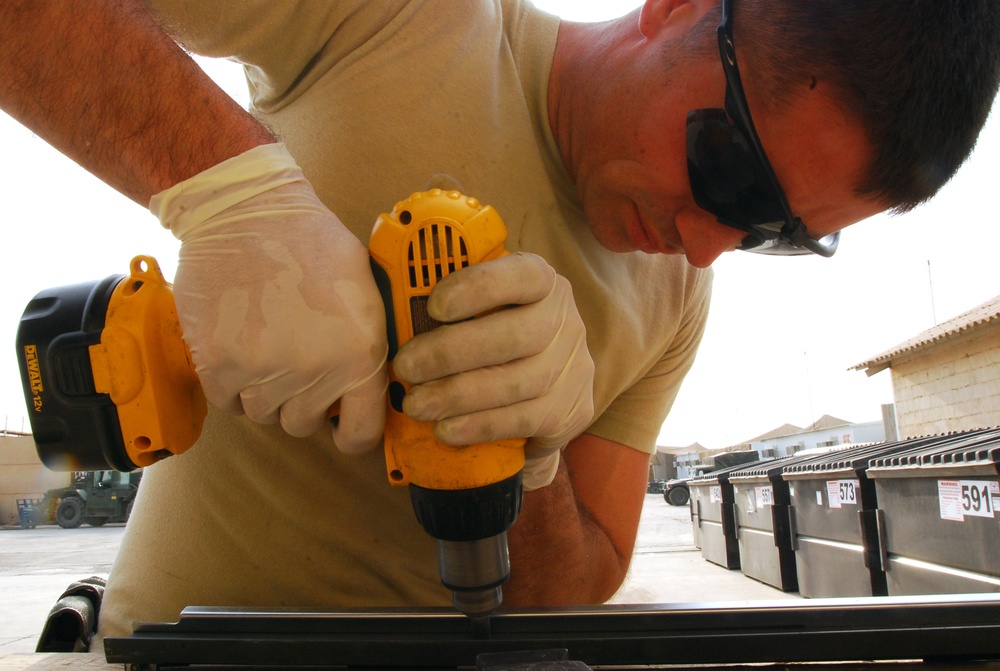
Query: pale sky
point(781, 336)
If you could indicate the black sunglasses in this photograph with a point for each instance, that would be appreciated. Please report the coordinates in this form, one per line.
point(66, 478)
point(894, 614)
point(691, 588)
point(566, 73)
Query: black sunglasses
point(730, 175)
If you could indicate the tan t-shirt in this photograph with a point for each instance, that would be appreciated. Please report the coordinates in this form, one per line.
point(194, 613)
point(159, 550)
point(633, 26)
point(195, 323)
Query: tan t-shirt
point(373, 99)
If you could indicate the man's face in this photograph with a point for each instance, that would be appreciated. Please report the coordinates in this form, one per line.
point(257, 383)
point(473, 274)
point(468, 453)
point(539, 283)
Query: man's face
point(633, 180)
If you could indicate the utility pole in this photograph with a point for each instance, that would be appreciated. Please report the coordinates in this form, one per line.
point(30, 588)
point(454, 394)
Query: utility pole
point(930, 283)
point(809, 396)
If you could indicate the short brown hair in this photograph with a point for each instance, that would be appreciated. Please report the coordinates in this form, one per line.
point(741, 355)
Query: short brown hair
point(920, 76)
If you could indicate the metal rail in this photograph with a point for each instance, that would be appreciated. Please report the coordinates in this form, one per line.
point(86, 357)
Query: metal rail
point(823, 630)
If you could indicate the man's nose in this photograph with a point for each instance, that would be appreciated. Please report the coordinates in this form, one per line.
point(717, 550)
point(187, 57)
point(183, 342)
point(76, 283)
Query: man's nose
point(704, 238)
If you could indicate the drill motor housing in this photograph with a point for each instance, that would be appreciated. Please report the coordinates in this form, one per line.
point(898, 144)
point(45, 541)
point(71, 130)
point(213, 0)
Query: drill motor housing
point(465, 497)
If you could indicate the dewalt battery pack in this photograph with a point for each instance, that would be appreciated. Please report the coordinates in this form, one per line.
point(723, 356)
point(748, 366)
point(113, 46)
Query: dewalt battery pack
point(107, 379)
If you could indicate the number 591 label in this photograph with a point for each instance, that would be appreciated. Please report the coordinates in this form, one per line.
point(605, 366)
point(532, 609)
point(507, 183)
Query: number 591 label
point(958, 499)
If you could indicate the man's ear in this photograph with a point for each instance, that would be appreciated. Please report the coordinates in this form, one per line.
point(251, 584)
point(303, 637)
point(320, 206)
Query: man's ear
point(675, 15)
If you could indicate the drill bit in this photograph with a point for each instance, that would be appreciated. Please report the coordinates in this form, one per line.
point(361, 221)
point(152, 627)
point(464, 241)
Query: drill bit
point(481, 628)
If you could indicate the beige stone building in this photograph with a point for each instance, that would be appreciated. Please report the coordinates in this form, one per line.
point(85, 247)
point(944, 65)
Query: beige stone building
point(22, 475)
point(948, 377)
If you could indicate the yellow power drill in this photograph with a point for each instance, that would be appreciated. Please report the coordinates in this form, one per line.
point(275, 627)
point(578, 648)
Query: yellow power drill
point(109, 383)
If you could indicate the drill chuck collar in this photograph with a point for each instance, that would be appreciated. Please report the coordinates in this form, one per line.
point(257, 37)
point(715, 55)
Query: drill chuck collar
point(470, 526)
point(468, 514)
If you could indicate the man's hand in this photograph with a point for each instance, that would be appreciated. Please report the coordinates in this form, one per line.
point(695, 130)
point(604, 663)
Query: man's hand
point(276, 299)
point(521, 371)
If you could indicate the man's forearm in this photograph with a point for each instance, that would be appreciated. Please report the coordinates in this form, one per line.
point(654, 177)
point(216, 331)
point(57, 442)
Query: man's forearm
point(558, 554)
point(103, 84)
point(573, 541)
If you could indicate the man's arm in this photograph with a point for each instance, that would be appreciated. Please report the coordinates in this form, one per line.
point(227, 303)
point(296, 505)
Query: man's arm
point(103, 84)
point(573, 541)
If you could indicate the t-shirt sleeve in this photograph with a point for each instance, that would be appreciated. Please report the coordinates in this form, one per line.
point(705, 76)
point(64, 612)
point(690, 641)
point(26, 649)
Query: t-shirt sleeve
point(282, 45)
point(635, 416)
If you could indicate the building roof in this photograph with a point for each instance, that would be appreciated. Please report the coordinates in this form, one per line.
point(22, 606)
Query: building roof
point(821, 424)
point(690, 449)
point(983, 314)
point(783, 430)
point(826, 422)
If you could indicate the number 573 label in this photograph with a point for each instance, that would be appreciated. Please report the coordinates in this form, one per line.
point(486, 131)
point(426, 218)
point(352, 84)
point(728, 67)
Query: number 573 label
point(958, 499)
point(842, 493)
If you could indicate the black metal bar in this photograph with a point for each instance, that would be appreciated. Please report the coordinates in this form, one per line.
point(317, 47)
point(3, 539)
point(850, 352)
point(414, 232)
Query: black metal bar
point(821, 630)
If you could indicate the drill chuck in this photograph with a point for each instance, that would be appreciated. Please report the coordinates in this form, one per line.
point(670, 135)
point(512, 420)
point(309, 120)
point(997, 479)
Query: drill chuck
point(474, 572)
point(470, 526)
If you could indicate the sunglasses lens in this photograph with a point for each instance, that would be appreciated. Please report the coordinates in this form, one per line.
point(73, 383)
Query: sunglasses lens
point(726, 178)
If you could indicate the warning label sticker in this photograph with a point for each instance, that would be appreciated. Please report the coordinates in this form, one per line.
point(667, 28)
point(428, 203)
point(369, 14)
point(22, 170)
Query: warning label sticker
point(842, 492)
point(958, 499)
point(765, 495)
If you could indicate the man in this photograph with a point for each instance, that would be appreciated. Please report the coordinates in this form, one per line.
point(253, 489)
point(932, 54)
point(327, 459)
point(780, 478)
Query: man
point(580, 136)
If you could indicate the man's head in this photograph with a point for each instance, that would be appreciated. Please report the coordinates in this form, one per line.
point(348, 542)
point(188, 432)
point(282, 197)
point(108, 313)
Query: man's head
point(827, 95)
point(920, 76)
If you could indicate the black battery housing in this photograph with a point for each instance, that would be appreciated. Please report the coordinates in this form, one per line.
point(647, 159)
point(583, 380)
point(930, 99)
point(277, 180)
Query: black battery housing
point(75, 428)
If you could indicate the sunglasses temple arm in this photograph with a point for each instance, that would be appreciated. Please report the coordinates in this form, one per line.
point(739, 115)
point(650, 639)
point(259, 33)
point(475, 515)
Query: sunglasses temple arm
point(826, 246)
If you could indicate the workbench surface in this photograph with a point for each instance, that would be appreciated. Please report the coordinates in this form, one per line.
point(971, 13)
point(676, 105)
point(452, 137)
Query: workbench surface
point(96, 662)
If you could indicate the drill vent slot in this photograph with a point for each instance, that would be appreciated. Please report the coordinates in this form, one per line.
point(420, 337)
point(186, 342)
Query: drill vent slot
point(437, 251)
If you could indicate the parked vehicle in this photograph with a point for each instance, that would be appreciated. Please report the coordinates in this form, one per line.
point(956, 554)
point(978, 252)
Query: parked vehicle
point(676, 491)
point(94, 497)
point(656, 486)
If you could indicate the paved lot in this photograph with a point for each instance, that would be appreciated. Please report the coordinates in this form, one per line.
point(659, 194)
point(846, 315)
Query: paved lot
point(668, 568)
point(36, 565)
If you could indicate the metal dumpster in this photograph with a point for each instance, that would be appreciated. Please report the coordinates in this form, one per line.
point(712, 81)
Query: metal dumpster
point(762, 503)
point(938, 522)
point(834, 531)
point(694, 506)
point(713, 517)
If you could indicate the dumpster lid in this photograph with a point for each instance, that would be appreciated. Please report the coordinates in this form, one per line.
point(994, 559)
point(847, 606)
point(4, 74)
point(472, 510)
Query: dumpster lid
point(772, 470)
point(722, 475)
point(856, 458)
point(978, 447)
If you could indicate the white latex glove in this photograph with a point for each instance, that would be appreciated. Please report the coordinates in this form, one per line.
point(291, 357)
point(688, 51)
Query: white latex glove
point(276, 299)
point(522, 371)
